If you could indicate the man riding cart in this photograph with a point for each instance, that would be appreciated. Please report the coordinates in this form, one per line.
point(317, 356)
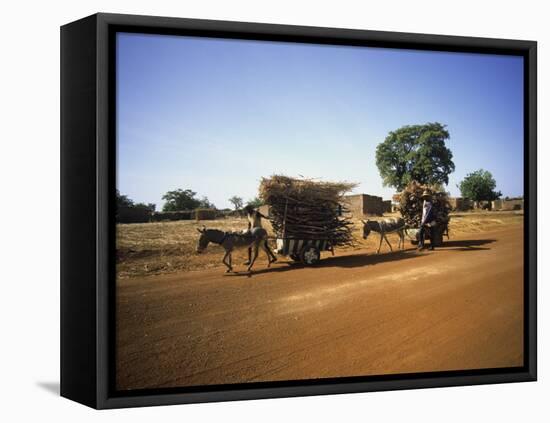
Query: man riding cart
point(426, 215)
point(428, 225)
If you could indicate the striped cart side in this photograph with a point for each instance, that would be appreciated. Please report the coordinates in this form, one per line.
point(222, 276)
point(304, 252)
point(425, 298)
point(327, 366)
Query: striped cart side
point(289, 246)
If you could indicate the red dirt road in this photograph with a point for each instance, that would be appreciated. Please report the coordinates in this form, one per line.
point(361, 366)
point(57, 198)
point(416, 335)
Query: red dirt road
point(460, 307)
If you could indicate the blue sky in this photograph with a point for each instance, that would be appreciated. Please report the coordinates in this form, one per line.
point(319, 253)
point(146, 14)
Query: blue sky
point(216, 115)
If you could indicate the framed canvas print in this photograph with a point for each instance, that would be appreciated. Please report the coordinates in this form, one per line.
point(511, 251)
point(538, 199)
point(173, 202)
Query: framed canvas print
point(255, 211)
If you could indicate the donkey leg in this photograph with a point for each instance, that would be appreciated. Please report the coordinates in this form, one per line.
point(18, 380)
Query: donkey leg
point(388, 242)
point(380, 245)
point(271, 256)
point(267, 254)
point(254, 255)
point(246, 263)
point(229, 268)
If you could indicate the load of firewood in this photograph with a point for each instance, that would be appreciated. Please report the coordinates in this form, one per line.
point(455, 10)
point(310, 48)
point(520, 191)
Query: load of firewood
point(308, 209)
point(410, 204)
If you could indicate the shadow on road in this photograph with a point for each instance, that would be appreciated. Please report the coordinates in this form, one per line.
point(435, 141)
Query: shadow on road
point(467, 245)
point(349, 261)
point(370, 259)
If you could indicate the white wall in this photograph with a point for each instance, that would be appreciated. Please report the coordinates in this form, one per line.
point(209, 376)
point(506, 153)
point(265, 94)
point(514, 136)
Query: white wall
point(30, 171)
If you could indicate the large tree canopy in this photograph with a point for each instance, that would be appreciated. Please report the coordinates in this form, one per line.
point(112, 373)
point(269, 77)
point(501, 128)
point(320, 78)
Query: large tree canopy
point(180, 199)
point(416, 152)
point(479, 186)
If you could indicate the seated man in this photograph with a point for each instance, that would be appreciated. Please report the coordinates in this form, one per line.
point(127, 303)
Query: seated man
point(428, 221)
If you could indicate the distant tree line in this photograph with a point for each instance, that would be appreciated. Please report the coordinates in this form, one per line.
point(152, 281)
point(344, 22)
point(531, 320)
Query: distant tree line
point(180, 199)
point(185, 199)
point(238, 202)
point(124, 201)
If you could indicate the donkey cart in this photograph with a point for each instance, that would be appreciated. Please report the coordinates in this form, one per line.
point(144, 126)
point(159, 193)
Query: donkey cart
point(307, 217)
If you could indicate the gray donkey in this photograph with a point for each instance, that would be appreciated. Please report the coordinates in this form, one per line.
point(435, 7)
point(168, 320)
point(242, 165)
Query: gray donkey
point(383, 227)
point(254, 239)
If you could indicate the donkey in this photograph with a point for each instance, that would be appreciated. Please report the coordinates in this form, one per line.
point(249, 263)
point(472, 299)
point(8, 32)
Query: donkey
point(254, 239)
point(384, 227)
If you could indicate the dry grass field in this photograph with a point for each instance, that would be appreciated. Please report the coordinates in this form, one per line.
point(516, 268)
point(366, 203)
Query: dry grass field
point(167, 247)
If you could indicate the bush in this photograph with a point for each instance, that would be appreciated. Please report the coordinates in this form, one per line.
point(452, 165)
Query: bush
point(133, 215)
point(173, 215)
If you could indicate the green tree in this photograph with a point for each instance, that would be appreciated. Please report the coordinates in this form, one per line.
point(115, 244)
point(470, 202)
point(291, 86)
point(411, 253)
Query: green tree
point(479, 186)
point(255, 202)
point(416, 152)
point(237, 202)
point(206, 204)
point(180, 200)
point(123, 200)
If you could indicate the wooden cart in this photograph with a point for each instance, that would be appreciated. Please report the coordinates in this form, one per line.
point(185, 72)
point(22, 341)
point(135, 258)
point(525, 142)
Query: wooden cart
point(439, 231)
point(306, 251)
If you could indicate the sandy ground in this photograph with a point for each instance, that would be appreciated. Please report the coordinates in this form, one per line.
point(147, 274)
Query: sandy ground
point(460, 307)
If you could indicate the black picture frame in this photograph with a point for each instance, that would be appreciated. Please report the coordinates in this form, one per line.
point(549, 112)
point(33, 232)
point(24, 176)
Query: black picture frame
point(87, 209)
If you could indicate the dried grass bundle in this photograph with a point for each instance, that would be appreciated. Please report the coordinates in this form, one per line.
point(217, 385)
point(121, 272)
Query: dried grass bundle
point(308, 209)
point(410, 204)
point(279, 187)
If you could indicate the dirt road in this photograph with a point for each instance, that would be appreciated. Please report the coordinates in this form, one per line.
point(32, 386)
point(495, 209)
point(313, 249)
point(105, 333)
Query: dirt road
point(460, 307)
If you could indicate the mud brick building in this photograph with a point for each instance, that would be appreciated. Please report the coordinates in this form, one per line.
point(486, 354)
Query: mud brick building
point(510, 204)
point(363, 204)
point(460, 204)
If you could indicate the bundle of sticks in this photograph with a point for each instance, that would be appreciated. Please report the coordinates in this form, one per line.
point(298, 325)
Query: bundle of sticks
point(308, 209)
point(410, 204)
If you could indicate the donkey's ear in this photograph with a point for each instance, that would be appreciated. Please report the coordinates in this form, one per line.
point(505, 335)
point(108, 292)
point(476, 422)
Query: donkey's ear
point(198, 230)
point(364, 221)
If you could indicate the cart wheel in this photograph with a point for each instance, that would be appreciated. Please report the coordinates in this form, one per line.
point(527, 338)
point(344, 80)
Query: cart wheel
point(310, 255)
point(295, 257)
